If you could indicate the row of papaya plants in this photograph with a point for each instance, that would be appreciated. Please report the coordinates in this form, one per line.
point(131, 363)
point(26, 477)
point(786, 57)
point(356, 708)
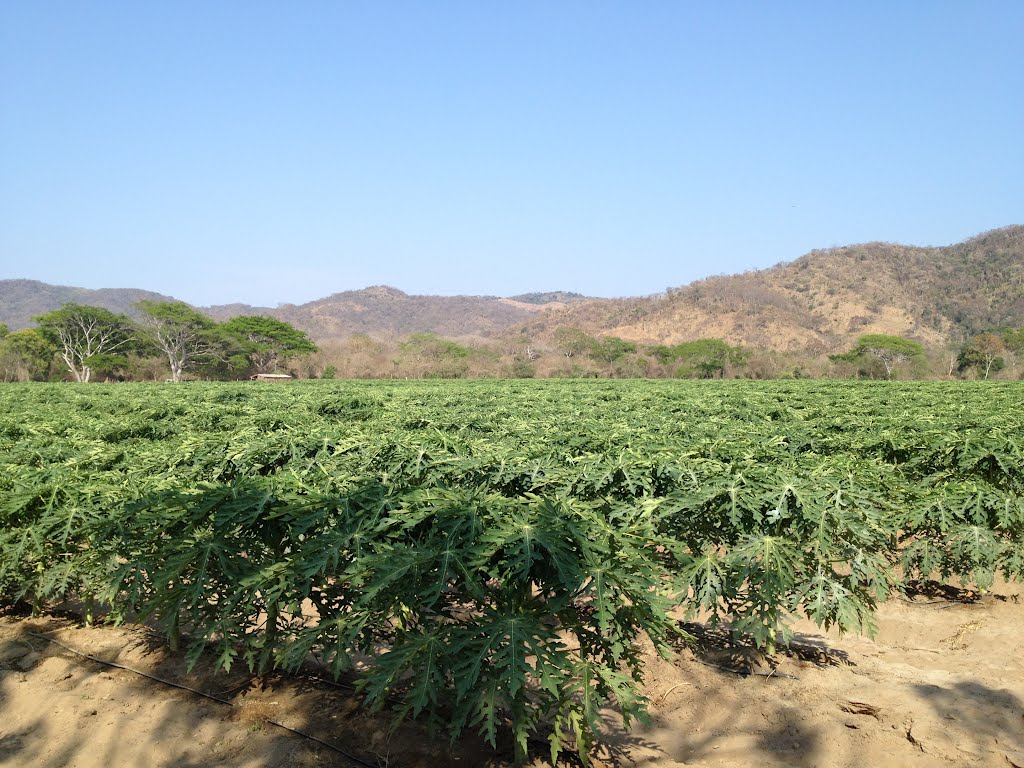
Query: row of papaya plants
point(497, 551)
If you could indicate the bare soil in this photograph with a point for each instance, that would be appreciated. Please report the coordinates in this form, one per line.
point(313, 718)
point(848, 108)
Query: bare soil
point(941, 684)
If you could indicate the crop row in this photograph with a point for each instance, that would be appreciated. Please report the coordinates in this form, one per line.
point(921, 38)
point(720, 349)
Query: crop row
point(496, 552)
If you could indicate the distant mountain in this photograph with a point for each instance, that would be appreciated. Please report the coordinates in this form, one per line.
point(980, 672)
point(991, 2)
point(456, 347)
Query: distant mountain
point(827, 298)
point(21, 300)
point(385, 311)
point(820, 302)
point(551, 297)
point(379, 310)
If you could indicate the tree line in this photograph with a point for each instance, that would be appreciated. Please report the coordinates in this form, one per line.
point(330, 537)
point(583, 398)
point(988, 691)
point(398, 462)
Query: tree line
point(982, 356)
point(571, 352)
point(173, 341)
point(82, 342)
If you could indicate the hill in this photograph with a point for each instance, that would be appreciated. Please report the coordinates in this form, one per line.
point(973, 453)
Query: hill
point(820, 302)
point(380, 310)
point(384, 311)
point(551, 297)
point(827, 298)
point(21, 300)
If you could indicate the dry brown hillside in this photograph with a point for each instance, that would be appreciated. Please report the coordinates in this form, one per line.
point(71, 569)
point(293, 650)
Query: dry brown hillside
point(385, 312)
point(827, 298)
point(820, 303)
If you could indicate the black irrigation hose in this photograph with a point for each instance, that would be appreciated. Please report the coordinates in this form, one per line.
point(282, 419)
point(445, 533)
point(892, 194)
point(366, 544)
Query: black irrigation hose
point(747, 673)
point(352, 758)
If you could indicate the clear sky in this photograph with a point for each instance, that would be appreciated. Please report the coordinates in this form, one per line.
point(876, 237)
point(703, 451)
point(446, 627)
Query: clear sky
point(272, 152)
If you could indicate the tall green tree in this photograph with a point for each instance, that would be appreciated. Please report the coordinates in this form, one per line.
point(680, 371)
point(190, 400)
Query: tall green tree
point(984, 353)
point(701, 358)
point(84, 334)
point(265, 341)
point(25, 356)
point(889, 351)
point(1014, 341)
point(609, 349)
point(184, 335)
point(572, 341)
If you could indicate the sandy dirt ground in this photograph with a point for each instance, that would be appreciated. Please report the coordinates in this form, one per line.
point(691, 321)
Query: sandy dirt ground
point(941, 684)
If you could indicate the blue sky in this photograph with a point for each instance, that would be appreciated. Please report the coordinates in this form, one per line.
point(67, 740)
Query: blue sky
point(279, 152)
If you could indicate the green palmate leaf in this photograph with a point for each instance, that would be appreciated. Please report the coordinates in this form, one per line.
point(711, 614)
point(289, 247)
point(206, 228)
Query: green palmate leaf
point(764, 580)
point(1009, 515)
point(973, 553)
point(426, 652)
point(1011, 563)
point(226, 654)
point(920, 558)
point(871, 574)
point(706, 577)
point(830, 603)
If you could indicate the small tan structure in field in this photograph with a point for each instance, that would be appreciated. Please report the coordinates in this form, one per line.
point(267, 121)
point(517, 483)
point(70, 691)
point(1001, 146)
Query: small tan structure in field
point(271, 377)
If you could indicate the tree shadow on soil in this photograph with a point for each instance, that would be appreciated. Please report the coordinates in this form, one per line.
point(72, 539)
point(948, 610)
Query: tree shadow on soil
point(917, 589)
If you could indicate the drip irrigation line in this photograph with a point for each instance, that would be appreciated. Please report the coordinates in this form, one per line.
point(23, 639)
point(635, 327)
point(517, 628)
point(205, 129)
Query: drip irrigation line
point(51, 631)
point(746, 673)
point(922, 602)
point(943, 603)
point(117, 665)
point(350, 757)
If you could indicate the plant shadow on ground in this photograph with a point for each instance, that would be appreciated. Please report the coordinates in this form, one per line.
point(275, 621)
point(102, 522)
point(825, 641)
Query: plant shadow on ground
point(695, 733)
point(993, 717)
point(936, 590)
point(328, 711)
point(702, 735)
point(343, 733)
point(711, 659)
point(719, 647)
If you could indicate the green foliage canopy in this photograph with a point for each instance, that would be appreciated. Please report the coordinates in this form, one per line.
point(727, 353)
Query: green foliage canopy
point(82, 333)
point(609, 349)
point(184, 335)
point(265, 341)
point(502, 551)
point(888, 351)
point(1014, 341)
point(25, 355)
point(571, 341)
point(701, 358)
